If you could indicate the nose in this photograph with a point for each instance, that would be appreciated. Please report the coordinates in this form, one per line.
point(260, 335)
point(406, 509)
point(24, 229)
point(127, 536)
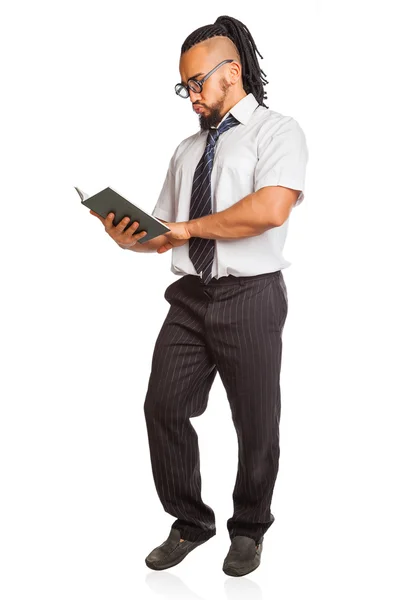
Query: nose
point(194, 96)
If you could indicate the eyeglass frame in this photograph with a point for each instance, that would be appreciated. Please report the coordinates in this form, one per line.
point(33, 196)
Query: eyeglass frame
point(201, 81)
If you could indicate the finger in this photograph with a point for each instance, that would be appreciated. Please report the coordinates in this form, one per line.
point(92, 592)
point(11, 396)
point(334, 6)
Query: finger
point(133, 227)
point(140, 234)
point(128, 236)
point(108, 221)
point(131, 230)
point(122, 224)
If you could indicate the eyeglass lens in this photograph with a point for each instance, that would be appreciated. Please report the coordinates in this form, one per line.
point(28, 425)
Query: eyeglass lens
point(182, 91)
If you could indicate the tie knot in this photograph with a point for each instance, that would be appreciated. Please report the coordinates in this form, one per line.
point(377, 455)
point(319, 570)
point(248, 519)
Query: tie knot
point(229, 122)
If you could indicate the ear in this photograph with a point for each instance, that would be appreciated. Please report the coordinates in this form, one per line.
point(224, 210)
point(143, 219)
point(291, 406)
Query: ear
point(235, 71)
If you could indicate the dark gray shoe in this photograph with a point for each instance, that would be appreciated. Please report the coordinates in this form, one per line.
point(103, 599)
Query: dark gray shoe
point(243, 556)
point(170, 552)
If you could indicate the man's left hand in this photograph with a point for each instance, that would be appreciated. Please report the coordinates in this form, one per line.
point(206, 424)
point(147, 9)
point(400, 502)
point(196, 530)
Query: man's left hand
point(178, 236)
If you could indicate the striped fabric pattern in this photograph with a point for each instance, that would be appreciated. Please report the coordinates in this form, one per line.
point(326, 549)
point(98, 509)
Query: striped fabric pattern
point(233, 327)
point(201, 250)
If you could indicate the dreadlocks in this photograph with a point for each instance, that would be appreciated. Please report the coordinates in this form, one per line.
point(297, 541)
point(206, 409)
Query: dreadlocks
point(239, 34)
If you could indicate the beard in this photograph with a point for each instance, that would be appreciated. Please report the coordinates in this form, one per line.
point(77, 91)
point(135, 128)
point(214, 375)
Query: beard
point(216, 111)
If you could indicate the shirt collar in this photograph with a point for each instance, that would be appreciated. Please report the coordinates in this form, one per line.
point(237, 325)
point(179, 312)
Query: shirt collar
point(242, 110)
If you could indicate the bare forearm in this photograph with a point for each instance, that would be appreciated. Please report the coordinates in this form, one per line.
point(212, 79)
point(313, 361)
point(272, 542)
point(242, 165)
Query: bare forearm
point(251, 216)
point(151, 246)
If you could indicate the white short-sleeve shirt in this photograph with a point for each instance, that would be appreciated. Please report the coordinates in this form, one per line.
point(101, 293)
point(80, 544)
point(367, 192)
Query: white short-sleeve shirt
point(266, 148)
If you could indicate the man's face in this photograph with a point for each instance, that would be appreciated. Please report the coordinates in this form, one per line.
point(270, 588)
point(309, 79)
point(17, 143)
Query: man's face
point(212, 101)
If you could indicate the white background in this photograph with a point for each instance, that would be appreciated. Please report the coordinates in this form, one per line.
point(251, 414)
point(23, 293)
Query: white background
point(88, 100)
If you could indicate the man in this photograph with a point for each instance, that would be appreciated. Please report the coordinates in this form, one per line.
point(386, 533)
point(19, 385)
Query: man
point(227, 196)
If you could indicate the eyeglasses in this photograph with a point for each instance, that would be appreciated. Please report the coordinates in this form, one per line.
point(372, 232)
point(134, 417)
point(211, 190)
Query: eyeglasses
point(196, 85)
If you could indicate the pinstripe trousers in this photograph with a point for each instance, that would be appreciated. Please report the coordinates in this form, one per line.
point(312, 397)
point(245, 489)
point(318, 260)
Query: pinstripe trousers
point(232, 325)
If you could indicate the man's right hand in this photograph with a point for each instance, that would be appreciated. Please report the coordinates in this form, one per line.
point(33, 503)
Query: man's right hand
point(126, 238)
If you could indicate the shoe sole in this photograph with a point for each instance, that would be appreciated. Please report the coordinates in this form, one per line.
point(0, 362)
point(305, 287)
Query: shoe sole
point(236, 574)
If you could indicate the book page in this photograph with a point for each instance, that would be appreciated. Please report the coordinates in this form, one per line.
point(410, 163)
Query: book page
point(81, 193)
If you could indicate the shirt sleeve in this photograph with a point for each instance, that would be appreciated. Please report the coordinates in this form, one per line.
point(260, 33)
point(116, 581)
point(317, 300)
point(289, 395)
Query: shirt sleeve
point(282, 158)
point(165, 207)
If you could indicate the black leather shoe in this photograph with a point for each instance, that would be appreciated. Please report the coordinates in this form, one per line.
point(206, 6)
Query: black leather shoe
point(170, 552)
point(243, 557)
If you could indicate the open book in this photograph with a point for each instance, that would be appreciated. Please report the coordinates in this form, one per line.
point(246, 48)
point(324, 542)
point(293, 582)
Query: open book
point(108, 200)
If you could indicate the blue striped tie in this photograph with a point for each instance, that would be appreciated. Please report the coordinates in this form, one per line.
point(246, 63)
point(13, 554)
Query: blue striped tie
point(201, 250)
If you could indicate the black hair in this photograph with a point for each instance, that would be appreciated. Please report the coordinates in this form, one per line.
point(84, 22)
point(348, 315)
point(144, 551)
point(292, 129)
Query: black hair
point(239, 34)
